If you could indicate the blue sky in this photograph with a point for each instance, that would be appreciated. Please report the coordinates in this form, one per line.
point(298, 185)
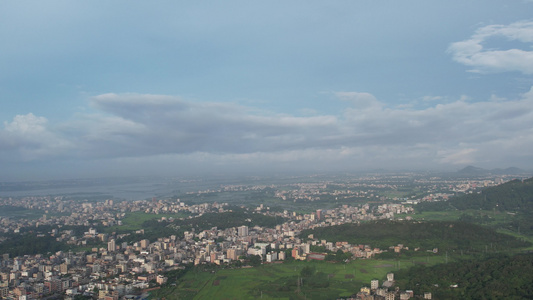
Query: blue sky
point(110, 88)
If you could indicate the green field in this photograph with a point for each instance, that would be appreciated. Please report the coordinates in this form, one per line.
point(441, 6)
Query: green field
point(279, 281)
point(17, 212)
point(394, 193)
point(491, 217)
point(134, 220)
point(438, 215)
point(520, 236)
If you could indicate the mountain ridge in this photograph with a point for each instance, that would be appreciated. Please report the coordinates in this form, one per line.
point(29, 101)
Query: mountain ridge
point(472, 170)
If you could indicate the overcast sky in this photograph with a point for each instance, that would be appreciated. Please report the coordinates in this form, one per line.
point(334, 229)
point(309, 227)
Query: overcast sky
point(107, 88)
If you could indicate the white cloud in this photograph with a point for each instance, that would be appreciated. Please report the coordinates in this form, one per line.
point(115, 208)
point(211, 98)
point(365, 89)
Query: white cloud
point(158, 130)
point(432, 98)
point(26, 125)
point(360, 100)
point(472, 53)
point(529, 94)
point(457, 157)
point(31, 137)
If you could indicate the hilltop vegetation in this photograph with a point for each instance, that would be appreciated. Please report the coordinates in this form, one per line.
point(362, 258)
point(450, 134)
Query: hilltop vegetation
point(499, 277)
point(155, 228)
point(37, 241)
point(426, 235)
point(512, 196)
point(28, 243)
point(515, 197)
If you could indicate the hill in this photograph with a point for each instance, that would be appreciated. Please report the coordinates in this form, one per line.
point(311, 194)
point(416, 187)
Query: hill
point(155, 228)
point(425, 235)
point(514, 197)
point(473, 171)
point(499, 277)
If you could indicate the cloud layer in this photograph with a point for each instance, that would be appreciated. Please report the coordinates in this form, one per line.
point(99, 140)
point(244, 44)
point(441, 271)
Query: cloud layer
point(472, 53)
point(29, 137)
point(339, 88)
point(156, 128)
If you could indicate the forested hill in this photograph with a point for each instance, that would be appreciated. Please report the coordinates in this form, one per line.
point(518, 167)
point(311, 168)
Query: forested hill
point(512, 196)
point(499, 277)
point(425, 235)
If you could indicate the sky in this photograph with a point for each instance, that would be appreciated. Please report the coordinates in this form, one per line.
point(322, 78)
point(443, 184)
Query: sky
point(120, 88)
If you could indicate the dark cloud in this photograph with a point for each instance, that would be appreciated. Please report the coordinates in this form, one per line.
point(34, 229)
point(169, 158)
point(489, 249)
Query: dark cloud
point(162, 124)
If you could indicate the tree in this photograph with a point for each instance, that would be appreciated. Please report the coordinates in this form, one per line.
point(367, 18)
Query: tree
point(255, 260)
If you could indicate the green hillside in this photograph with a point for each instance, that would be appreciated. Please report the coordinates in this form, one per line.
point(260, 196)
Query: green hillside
point(500, 277)
point(426, 235)
point(155, 228)
point(514, 197)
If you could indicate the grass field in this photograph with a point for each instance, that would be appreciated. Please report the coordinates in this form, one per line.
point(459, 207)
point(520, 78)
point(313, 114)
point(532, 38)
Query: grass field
point(134, 220)
point(394, 193)
point(279, 281)
point(21, 213)
point(492, 217)
point(495, 220)
point(519, 236)
point(438, 215)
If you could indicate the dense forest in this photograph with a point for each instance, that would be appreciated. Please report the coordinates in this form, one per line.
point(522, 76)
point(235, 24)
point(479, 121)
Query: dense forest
point(28, 243)
point(36, 240)
point(498, 277)
point(426, 235)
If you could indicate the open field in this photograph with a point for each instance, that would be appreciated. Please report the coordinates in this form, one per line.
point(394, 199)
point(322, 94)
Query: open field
point(134, 220)
point(438, 215)
point(520, 236)
point(279, 281)
point(497, 220)
point(491, 217)
point(394, 193)
point(30, 214)
point(15, 212)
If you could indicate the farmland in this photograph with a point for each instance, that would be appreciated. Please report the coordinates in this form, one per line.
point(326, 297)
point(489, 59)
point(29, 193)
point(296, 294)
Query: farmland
point(280, 281)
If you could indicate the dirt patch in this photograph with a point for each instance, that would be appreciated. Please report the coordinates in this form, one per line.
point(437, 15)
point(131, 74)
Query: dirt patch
point(348, 276)
point(216, 282)
point(331, 275)
point(363, 270)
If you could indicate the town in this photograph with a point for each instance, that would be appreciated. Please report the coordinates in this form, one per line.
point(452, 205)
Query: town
point(106, 268)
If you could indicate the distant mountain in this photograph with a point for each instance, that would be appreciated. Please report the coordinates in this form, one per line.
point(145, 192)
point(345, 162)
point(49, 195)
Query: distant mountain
point(511, 170)
point(471, 170)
